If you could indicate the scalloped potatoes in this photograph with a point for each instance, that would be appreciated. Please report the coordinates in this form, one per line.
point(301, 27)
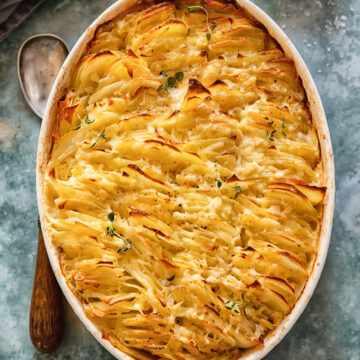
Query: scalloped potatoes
point(184, 189)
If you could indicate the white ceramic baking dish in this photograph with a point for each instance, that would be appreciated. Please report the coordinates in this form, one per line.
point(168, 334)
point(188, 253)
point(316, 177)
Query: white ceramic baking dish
point(319, 119)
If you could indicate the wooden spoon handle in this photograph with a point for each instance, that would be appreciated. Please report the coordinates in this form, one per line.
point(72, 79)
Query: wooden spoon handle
point(46, 318)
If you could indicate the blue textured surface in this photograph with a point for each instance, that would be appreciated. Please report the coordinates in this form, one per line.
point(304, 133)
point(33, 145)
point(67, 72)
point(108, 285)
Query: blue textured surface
point(327, 34)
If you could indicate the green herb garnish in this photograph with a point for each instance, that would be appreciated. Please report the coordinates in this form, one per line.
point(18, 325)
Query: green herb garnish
point(171, 81)
point(126, 247)
point(179, 76)
point(218, 183)
point(237, 192)
point(111, 216)
point(236, 306)
point(98, 138)
point(171, 278)
point(245, 303)
point(110, 230)
point(270, 135)
point(196, 8)
point(87, 121)
point(231, 306)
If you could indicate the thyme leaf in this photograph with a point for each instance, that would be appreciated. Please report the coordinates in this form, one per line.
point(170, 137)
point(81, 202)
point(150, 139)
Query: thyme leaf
point(171, 278)
point(218, 183)
point(171, 81)
point(270, 135)
point(111, 216)
point(179, 76)
point(231, 306)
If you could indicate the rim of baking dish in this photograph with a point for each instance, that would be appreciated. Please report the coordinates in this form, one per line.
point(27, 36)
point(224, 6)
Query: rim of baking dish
point(319, 119)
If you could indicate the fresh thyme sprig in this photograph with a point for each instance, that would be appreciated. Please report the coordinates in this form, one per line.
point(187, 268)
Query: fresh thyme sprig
point(230, 307)
point(86, 121)
point(235, 305)
point(110, 230)
point(270, 135)
point(98, 138)
point(196, 8)
point(171, 81)
point(245, 303)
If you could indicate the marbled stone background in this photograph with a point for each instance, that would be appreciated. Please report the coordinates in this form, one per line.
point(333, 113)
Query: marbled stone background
point(327, 33)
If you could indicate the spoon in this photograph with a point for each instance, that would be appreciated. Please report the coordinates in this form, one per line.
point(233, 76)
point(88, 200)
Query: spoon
point(39, 60)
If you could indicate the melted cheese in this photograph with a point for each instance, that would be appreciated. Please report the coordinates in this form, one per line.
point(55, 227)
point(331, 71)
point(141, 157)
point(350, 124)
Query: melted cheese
point(186, 216)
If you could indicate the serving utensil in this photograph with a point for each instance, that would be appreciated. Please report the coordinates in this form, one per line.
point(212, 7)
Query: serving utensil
point(40, 58)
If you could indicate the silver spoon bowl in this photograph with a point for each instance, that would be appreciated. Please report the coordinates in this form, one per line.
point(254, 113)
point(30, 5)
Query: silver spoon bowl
point(40, 58)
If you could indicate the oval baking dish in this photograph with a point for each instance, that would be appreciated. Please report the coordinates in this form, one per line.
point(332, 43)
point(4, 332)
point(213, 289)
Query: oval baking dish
point(319, 120)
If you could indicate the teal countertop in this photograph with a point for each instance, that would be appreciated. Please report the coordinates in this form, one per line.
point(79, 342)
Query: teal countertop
point(327, 34)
